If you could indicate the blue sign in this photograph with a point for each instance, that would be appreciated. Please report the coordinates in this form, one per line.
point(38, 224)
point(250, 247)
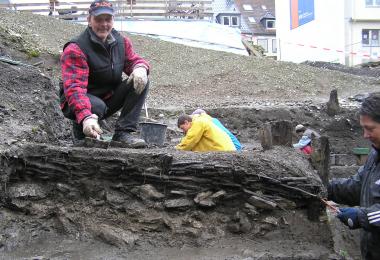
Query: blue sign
point(301, 12)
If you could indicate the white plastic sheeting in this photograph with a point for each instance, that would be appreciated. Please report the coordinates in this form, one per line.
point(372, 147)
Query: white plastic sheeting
point(202, 34)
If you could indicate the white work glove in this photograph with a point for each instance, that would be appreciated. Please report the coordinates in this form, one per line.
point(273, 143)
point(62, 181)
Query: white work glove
point(140, 79)
point(91, 126)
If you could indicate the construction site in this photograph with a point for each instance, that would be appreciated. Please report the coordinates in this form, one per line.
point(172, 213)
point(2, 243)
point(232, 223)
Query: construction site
point(97, 201)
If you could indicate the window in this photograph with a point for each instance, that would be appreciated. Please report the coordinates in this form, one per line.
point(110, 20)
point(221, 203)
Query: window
point(270, 24)
point(365, 37)
point(274, 46)
point(247, 7)
point(230, 20)
point(370, 38)
point(234, 21)
point(251, 19)
point(372, 3)
point(375, 37)
point(263, 43)
point(226, 20)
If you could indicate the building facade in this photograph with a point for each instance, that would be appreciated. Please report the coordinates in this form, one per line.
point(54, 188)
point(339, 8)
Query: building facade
point(342, 31)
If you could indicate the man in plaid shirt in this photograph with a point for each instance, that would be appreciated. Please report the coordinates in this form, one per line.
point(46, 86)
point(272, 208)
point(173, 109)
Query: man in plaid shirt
point(92, 66)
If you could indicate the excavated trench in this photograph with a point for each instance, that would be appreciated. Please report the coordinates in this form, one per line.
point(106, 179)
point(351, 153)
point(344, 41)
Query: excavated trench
point(65, 202)
point(117, 203)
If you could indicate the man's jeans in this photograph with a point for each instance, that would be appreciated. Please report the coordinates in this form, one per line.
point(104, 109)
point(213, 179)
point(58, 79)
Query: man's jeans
point(124, 98)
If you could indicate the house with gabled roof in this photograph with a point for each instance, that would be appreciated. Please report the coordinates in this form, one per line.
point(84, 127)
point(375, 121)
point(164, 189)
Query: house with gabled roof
point(226, 13)
point(259, 23)
point(254, 18)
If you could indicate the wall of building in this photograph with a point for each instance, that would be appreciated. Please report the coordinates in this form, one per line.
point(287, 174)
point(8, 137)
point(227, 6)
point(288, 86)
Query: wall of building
point(335, 34)
point(322, 39)
point(363, 18)
point(363, 53)
point(361, 11)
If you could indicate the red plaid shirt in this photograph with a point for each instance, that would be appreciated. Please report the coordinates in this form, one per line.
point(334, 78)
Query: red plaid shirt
point(75, 72)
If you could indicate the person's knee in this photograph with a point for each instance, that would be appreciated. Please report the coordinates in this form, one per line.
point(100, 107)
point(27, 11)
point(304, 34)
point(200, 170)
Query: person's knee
point(99, 111)
point(98, 107)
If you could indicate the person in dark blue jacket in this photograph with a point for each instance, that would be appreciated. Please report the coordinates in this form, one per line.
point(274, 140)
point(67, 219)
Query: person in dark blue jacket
point(362, 191)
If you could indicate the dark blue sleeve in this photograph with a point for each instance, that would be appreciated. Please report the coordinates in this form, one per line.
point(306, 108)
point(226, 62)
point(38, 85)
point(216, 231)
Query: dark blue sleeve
point(346, 191)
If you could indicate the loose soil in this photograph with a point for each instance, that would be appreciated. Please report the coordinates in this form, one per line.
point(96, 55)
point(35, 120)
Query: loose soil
point(244, 92)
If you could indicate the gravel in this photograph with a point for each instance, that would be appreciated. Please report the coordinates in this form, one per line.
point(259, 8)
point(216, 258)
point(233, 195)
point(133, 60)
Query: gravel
point(357, 70)
point(187, 77)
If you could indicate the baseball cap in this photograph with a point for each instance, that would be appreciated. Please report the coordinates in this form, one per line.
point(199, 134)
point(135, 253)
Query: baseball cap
point(300, 128)
point(99, 7)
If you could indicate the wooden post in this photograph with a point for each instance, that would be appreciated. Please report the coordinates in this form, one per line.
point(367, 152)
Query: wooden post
point(320, 158)
point(265, 134)
point(282, 133)
point(333, 103)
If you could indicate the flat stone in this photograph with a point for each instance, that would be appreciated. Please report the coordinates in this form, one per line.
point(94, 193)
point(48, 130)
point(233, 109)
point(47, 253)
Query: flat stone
point(218, 195)
point(115, 236)
point(147, 192)
point(261, 203)
point(203, 199)
point(178, 192)
point(115, 197)
point(209, 199)
point(251, 209)
point(178, 203)
point(271, 220)
point(285, 203)
point(26, 191)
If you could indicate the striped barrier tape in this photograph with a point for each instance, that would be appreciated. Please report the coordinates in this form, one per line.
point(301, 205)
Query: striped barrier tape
point(358, 53)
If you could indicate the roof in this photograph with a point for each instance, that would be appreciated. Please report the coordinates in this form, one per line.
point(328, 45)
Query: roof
point(196, 33)
point(261, 10)
point(268, 15)
point(224, 6)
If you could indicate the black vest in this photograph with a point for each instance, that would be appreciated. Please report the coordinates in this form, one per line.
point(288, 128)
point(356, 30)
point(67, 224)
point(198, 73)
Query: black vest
point(106, 64)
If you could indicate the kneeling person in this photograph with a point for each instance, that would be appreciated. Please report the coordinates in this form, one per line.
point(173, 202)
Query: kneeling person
point(202, 135)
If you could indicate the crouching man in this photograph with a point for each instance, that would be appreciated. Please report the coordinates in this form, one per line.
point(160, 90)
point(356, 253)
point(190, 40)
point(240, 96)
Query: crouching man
point(202, 135)
point(92, 66)
point(363, 189)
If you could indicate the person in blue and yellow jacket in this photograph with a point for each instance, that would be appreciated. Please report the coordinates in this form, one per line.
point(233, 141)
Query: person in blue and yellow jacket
point(219, 124)
point(202, 135)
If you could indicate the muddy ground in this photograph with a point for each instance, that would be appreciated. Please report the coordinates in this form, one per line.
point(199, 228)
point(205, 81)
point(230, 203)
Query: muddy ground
point(95, 217)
